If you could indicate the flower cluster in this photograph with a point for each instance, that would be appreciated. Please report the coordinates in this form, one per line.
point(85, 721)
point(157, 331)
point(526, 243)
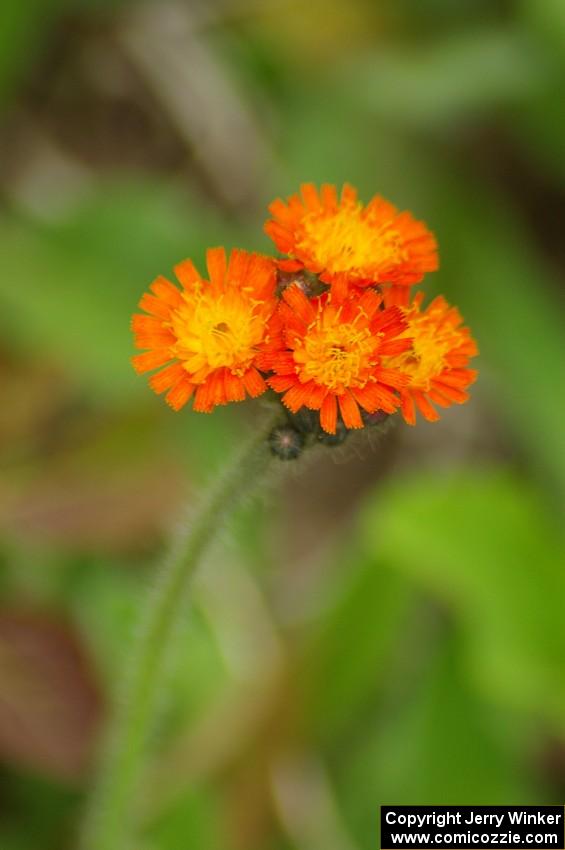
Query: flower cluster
point(331, 326)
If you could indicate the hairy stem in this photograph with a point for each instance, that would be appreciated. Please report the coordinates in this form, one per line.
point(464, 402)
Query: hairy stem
point(108, 819)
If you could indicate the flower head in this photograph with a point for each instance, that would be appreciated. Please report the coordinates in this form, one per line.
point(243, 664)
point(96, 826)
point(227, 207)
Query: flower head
point(347, 243)
point(328, 354)
point(209, 332)
point(437, 365)
point(329, 326)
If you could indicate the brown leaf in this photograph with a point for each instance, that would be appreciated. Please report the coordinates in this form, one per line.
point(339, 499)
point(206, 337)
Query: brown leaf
point(113, 510)
point(50, 704)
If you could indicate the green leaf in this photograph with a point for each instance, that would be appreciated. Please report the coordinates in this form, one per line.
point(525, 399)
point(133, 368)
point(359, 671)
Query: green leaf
point(504, 287)
point(106, 600)
point(36, 812)
point(23, 28)
point(194, 821)
point(539, 126)
point(548, 18)
point(484, 545)
point(353, 639)
point(438, 747)
point(448, 80)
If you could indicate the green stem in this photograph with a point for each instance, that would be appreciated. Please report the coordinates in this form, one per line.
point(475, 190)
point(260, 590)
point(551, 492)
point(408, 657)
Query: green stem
point(108, 820)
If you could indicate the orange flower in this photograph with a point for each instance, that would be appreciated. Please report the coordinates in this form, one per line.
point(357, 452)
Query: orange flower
point(208, 332)
point(346, 243)
point(437, 365)
point(326, 353)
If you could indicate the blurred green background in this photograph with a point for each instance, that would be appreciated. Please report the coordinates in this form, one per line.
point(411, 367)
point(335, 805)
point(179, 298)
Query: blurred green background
point(390, 627)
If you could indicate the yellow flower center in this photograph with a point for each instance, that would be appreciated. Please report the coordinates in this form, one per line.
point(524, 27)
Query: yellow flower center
point(217, 331)
point(345, 241)
point(432, 341)
point(336, 356)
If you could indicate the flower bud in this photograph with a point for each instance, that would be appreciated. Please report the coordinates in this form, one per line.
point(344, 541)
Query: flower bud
point(376, 418)
point(286, 442)
point(341, 434)
point(309, 283)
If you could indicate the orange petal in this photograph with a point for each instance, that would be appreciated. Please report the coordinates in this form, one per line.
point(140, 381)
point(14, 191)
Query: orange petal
point(328, 414)
point(454, 394)
point(238, 266)
point(408, 408)
point(278, 208)
point(398, 295)
point(155, 306)
point(428, 411)
point(284, 363)
point(178, 396)
point(392, 378)
point(217, 387)
point(281, 237)
point(390, 347)
point(381, 209)
point(234, 388)
point(289, 265)
point(368, 397)
point(146, 324)
point(149, 339)
point(150, 360)
point(297, 301)
point(438, 397)
point(202, 400)
point(388, 320)
point(369, 302)
point(348, 194)
point(340, 287)
point(210, 392)
point(281, 383)
point(166, 291)
point(187, 273)
point(458, 377)
point(350, 411)
point(216, 263)
point(261, 276)
point(254, 382)
point(316, 395)
point(388, 401)
point(311, 198)
point(296, 397)
point(329, 197)
point(265, 360)
point(167, 378)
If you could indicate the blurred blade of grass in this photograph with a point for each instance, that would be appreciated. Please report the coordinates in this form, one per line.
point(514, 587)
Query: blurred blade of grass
point(35, 812)
point(539, 130)
point(548, 18)
point(68, 289)
point(483, 544)
point(347, 657)
point(255, 661)
point(493, 271)
point(438, 747)
point(435, 85)
point(196, 820)
point(424, 20)
point(316, 822)
point(539, 127)
point(23, 27)
point(105, 601)
point(326, 138)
